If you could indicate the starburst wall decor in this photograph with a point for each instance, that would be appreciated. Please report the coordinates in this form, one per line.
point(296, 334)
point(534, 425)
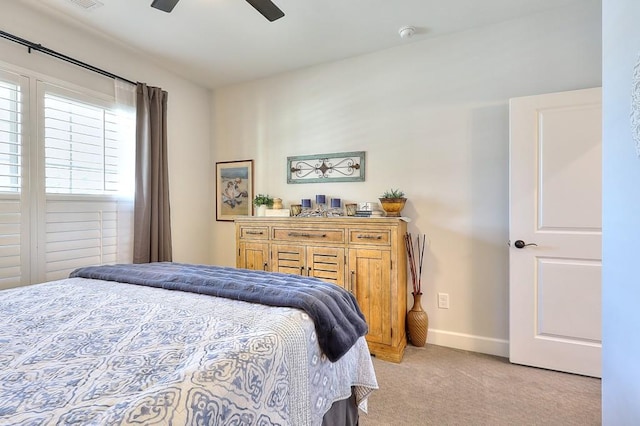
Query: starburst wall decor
point(635, 107)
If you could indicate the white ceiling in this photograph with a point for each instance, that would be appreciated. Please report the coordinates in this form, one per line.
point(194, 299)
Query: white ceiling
point(221, 42)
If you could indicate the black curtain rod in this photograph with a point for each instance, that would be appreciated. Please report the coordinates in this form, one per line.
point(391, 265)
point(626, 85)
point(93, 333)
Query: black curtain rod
point(40, 48)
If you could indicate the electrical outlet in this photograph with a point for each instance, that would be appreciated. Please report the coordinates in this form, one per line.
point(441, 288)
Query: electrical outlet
point(443, 300)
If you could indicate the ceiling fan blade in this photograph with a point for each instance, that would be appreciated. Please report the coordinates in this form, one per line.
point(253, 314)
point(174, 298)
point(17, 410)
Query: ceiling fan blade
point(164, 5)
point(267, 9)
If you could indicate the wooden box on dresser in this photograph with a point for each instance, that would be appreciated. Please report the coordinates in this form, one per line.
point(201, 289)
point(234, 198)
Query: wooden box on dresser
point(366, 256)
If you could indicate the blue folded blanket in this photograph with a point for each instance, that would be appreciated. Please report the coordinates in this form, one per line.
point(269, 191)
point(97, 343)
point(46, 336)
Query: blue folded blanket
point(335, 312)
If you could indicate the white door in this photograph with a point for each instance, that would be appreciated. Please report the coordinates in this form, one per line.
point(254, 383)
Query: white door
point(555, 212)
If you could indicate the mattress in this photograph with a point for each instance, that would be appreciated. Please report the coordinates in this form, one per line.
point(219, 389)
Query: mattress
point(87, 351)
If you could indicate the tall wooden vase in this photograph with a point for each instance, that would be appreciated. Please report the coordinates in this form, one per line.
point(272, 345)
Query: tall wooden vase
point(417, 322)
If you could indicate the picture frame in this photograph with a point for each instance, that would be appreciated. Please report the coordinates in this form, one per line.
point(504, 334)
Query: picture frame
point(234, 189)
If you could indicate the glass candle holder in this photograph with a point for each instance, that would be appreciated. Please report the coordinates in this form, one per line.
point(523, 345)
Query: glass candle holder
point(320, 199)
point(306, 203)
point(335, 203)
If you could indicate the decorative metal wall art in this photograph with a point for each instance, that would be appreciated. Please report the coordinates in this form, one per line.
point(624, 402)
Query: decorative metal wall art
point(338, 167)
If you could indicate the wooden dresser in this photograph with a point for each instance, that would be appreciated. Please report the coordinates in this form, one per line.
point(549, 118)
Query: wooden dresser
point(365, 256)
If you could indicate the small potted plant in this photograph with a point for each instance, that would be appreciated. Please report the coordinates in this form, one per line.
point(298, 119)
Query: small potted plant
point(262, 202)
point(393, 201)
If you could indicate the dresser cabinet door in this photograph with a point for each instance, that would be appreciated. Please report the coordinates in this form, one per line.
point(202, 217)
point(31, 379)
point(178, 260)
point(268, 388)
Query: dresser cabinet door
point(253, 255)
point(370, 277)
point(326, 263)
point(289, 259)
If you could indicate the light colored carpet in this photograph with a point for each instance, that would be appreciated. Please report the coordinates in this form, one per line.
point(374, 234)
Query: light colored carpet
point(435, 385)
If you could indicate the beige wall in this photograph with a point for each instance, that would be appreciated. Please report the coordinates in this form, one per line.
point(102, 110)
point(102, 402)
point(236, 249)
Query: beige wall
point(188, 116)
point(432, 117)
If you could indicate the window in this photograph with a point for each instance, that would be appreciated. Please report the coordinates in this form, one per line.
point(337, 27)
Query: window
point(68, 202)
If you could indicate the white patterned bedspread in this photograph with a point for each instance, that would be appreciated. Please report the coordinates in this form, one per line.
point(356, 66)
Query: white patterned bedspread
point(81, 351)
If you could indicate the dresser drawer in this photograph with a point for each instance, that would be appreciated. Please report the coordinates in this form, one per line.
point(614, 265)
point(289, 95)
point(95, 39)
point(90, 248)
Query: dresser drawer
point(379, 237)
point(308, 234)
point(254, 232)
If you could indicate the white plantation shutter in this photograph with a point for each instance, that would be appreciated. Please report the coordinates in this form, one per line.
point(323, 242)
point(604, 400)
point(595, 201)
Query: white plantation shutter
point(66, 197)
point(88, 201)
point(83, 232)
point(10, 134)
point(82, 147)
point(14, 233)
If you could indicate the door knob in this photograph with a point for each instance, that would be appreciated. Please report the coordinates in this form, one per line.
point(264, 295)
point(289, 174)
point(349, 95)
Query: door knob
point(521, 244)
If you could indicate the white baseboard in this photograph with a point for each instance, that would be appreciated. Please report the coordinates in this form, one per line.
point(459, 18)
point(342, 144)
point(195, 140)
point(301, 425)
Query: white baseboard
point(468, 342)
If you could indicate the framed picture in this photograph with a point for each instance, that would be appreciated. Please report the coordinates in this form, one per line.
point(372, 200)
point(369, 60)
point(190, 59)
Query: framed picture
point(234, 189)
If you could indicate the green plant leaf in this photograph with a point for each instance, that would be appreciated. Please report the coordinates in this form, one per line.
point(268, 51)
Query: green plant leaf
point(263, 199)
point(392, 193)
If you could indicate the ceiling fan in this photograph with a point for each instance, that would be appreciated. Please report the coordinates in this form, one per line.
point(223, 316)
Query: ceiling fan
point(265, 7)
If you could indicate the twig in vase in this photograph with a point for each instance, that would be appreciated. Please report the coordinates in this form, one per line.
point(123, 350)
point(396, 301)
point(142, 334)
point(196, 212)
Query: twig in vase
point(416, 274)
point(412, 264)
point(407, 245)
point(424, 237)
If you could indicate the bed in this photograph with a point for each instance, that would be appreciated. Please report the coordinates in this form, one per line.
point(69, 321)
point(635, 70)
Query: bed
point(92, 350)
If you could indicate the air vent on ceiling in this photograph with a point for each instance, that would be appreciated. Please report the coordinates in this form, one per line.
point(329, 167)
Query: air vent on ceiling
point(87, 4)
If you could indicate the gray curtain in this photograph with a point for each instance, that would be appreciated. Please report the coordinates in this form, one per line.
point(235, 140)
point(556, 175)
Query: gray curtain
point(152, 221)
